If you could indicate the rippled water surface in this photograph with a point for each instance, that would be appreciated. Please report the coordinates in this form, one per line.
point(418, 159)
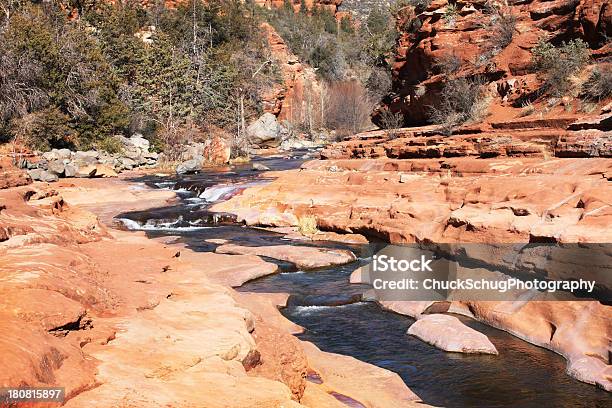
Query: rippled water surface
point(335, 319)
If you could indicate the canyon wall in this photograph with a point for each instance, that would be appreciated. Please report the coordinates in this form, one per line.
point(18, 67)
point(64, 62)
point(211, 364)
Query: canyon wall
point(288, 100)
point(466, 36)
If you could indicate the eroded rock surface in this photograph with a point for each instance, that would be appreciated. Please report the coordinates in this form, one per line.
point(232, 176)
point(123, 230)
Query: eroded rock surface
point(122, 320)
point(450, 334)
point(449, 189)
point(303, 257)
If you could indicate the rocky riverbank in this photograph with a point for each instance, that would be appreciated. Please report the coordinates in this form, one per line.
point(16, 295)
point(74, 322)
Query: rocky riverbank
point(122, 320)
point(421, 187)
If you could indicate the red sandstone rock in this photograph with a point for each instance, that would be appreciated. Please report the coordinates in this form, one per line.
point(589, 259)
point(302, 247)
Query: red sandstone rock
point(299, 79)
point(429, 37)
point(143, 327)
point(505, 199)
point(449, 334)
point(217, 151)
point(304, 257)
point(10, 176)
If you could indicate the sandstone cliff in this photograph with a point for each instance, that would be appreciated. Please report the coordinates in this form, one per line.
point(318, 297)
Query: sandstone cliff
point(469, 36)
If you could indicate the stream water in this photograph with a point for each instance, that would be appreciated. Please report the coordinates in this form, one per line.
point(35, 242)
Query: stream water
point(334, 318)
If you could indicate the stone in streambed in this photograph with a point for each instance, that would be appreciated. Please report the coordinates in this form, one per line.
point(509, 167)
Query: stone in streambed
point(304, 257)
point(190, 166)
point(259, 167)
point(449, 334)
point(42, 175)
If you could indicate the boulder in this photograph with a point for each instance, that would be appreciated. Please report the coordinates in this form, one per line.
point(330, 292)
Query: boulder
point(84, 158)
point(127, 163)
point(139, 142)
point(48, 176)
point(265, 131)
point(70, 170)
point(217, 151)
point(190, 166)
point(35, 174)
point(151, 156)
point(56, 167)
point(192, 151)
point(448, 333)
point(259, 167)
point(57, 154)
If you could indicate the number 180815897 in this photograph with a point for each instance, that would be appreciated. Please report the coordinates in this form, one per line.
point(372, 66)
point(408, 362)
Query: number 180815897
point(31, 394)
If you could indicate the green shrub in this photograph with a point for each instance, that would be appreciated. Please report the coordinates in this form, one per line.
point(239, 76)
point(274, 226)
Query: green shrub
point(46, 129)
point(110, 145)
point(556, 65)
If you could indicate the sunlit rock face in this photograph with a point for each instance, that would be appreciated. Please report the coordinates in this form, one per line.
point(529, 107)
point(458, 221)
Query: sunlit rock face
point(468, 33)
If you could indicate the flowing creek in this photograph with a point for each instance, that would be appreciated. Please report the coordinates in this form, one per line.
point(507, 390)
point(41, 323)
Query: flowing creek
point(334, 318)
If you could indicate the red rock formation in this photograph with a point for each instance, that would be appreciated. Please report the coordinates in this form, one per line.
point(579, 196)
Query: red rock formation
point(10, 176)
point(217, 150)
point(299, 81)
point(430, 36)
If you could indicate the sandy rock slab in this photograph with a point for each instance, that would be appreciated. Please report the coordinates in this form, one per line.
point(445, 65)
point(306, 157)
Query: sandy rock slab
point(449, 334)
point(304, 257)
point(354, 383)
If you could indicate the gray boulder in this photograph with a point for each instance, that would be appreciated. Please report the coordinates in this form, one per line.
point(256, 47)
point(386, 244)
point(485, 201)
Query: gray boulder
point(42, 175)
point(151, 155)
point(259, 167)
point(127, 163)
point(89, 157)
point(190, 166)
point(192, 151)
point(265, 131)
point(70, 170)
point(56, 167)
point(64, 154)
point(35, 174)
point(139, 142)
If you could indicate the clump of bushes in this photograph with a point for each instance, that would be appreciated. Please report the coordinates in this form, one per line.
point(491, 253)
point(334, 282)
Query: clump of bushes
point(599, 84)
point(122, 68)
point(352, 62)
point(461, 100)
point(557, 65)
point(337, 51)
